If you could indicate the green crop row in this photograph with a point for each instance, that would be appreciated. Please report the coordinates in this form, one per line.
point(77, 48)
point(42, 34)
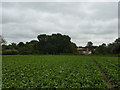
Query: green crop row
point(51, 72)
point(111, 68)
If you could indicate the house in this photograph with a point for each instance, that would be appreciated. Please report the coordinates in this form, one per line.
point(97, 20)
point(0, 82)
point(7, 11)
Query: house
point(84, 51)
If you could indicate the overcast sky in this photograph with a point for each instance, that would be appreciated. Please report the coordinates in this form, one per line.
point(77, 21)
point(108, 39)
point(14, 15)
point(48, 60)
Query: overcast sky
point(83, 22)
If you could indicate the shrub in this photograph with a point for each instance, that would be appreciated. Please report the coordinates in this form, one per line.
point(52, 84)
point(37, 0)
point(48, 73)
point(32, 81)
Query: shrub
point(10, 52)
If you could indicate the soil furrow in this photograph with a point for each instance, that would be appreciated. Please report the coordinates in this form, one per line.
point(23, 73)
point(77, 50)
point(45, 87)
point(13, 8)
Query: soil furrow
point(108, 83)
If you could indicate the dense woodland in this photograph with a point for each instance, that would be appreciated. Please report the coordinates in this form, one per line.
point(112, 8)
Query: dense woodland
point(57, 44)
point(46, 44)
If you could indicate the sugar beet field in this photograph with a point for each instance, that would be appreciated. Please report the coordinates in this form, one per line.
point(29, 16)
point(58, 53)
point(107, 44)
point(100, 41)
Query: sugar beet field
point(55, 71)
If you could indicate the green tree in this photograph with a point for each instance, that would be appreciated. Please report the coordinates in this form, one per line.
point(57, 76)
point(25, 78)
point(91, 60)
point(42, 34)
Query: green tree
point(111, 48)
point(55, 44)
point(101, 49)
point(89, 44)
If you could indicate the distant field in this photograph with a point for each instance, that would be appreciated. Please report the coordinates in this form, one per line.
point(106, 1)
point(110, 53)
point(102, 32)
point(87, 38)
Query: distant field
point(28, 71)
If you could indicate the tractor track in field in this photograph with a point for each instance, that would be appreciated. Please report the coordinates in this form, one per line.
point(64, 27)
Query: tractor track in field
point(108, 83)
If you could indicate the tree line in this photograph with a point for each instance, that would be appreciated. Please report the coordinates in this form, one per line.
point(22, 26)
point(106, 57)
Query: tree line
point(57, 44)
point(111, 48)
point(105, 49)
point(46, 44)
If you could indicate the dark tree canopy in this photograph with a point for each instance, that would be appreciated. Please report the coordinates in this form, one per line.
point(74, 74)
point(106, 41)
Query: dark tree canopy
point(89, 44)
point(111, 48)
point(46, 44)
point(117, 40)
point(55, 44)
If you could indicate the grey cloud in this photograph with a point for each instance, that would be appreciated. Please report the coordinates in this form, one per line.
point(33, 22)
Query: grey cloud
point(83, 22)
point(99, 27)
